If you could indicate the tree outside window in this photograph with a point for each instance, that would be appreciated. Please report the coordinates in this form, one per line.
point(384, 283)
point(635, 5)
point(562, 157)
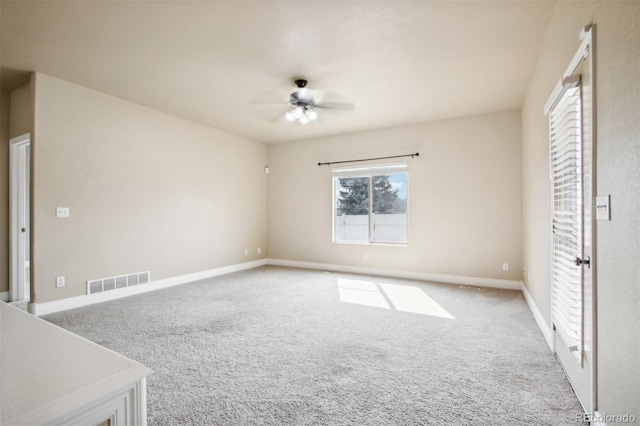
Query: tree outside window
point(371, 208)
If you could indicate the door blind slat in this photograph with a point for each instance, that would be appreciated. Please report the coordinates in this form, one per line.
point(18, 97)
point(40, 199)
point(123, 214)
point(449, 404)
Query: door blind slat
point(566, 171)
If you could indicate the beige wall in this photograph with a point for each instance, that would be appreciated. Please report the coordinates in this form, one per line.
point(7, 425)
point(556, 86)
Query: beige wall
point(464, 197)
point(4, 191)
point(21, 116)
point(146, 191)
point(618, 174)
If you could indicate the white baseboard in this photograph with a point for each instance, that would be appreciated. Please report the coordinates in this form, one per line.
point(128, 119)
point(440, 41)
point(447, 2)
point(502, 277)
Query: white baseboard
point(85, 300)
point(546, 329)
point(4, 296)
point(424, 276)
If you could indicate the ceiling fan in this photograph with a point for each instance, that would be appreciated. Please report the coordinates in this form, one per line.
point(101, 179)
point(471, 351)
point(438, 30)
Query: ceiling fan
point(303, 104)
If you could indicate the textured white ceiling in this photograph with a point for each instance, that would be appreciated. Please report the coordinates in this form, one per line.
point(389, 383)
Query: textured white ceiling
point(399, 62)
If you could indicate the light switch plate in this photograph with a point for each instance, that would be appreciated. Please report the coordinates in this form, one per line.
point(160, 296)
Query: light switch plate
point(603, 207)
point(62, 211)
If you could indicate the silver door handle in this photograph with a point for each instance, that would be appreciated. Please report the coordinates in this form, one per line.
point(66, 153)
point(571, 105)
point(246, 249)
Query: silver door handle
point(586, 261)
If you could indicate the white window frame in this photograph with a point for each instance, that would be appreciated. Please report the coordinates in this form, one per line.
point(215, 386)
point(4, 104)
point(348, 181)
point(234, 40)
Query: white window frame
point(368, 172)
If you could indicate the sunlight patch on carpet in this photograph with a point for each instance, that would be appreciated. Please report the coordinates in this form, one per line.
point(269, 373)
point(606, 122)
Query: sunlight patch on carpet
point(412, 299)
point(403, 298)
point(361, 293)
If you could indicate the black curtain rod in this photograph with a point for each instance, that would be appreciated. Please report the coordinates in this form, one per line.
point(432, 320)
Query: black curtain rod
point(417, 154)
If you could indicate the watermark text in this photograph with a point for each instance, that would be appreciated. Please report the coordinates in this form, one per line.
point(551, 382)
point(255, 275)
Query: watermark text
point(603, 418)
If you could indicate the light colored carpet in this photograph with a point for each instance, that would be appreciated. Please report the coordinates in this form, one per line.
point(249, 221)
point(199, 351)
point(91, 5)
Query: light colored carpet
point(282, 346)
point(21, 304)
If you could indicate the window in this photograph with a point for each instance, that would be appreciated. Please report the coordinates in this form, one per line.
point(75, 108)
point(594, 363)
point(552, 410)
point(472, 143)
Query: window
point(370, 204)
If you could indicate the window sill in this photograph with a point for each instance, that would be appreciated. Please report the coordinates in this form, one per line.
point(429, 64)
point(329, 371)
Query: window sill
point(364, 243)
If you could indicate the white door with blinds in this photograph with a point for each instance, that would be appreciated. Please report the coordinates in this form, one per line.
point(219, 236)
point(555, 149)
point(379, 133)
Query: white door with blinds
point(570, 113)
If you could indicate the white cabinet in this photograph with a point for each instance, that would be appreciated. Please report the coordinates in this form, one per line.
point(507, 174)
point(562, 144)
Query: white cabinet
point(50, 376)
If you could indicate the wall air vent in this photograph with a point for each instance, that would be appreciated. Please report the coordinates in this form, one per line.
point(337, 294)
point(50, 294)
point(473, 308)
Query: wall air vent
point(114, 283)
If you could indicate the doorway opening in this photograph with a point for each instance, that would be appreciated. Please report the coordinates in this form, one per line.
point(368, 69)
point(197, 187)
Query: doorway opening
point(19, 218)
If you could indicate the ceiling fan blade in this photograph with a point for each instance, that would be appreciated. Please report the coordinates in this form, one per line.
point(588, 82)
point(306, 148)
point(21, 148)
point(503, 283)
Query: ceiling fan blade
point(275, 115)
point(267, 103)
point(336, 105)
point(331, 100)
point(268, 98)
point(268, 111)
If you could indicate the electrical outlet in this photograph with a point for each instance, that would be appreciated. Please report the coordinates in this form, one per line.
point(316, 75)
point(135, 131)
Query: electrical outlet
point(62, 211)
point(59, 281)
point(365, 256)
point(246, 252)
point(505, 266)
point(259, 250)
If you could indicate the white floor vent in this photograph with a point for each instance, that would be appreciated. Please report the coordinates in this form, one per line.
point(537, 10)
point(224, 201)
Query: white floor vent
point(114, 283)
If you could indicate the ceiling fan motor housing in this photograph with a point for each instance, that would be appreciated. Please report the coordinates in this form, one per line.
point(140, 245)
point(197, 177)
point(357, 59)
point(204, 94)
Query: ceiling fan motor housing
point(301, 83)
point(296, 100)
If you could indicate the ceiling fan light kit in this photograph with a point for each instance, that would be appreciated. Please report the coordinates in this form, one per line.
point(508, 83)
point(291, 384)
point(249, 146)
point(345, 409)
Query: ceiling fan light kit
point(302, 114)
point(302, 106)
